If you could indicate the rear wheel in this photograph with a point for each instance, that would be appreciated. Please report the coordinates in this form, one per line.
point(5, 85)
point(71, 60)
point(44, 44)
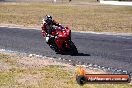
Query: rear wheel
point(73, 48)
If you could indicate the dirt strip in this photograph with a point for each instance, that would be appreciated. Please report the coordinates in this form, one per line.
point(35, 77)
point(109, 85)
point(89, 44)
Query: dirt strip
point(37, 61)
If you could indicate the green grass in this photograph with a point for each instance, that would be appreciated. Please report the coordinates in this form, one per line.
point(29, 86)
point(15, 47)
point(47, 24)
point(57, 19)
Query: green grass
point(54, 76)
point(98, 18)
point(6, 78)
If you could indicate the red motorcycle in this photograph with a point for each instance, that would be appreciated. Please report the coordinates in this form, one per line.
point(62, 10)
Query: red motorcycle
point(63, 43)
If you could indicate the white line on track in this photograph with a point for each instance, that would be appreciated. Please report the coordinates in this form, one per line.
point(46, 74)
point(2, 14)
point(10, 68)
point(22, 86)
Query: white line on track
point(4, 50)
point(122, 3)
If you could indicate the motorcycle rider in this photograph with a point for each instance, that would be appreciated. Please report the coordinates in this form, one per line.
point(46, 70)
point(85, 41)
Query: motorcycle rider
point(47, 28)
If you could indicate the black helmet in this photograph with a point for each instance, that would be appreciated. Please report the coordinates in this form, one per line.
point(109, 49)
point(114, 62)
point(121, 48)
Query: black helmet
point(48, 19)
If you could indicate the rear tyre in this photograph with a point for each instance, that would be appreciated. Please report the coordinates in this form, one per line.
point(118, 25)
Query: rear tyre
point(73, 48)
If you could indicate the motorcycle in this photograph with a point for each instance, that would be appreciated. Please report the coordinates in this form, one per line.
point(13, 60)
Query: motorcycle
point(62, 41)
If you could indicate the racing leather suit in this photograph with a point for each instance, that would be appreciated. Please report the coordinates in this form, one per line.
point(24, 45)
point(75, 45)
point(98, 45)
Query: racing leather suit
point(47, 30)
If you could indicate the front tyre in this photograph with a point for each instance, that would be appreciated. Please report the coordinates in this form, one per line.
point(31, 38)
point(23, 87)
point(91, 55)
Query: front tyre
point(54, 48)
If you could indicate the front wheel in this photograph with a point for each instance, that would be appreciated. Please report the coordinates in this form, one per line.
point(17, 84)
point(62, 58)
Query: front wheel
point(54, 48)
point(73, 48)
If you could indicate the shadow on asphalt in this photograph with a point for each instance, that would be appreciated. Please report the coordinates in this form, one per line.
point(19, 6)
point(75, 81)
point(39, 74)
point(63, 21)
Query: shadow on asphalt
point(83, 54)
point(79, 54)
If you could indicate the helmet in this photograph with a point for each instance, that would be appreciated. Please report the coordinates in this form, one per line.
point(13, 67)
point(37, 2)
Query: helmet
point(48, 19)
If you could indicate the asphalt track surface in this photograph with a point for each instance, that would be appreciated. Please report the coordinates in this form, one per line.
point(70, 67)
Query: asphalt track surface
point(104, 50)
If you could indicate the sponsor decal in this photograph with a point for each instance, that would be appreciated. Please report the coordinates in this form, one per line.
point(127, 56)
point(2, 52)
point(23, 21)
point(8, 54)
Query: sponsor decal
point(83, 78)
